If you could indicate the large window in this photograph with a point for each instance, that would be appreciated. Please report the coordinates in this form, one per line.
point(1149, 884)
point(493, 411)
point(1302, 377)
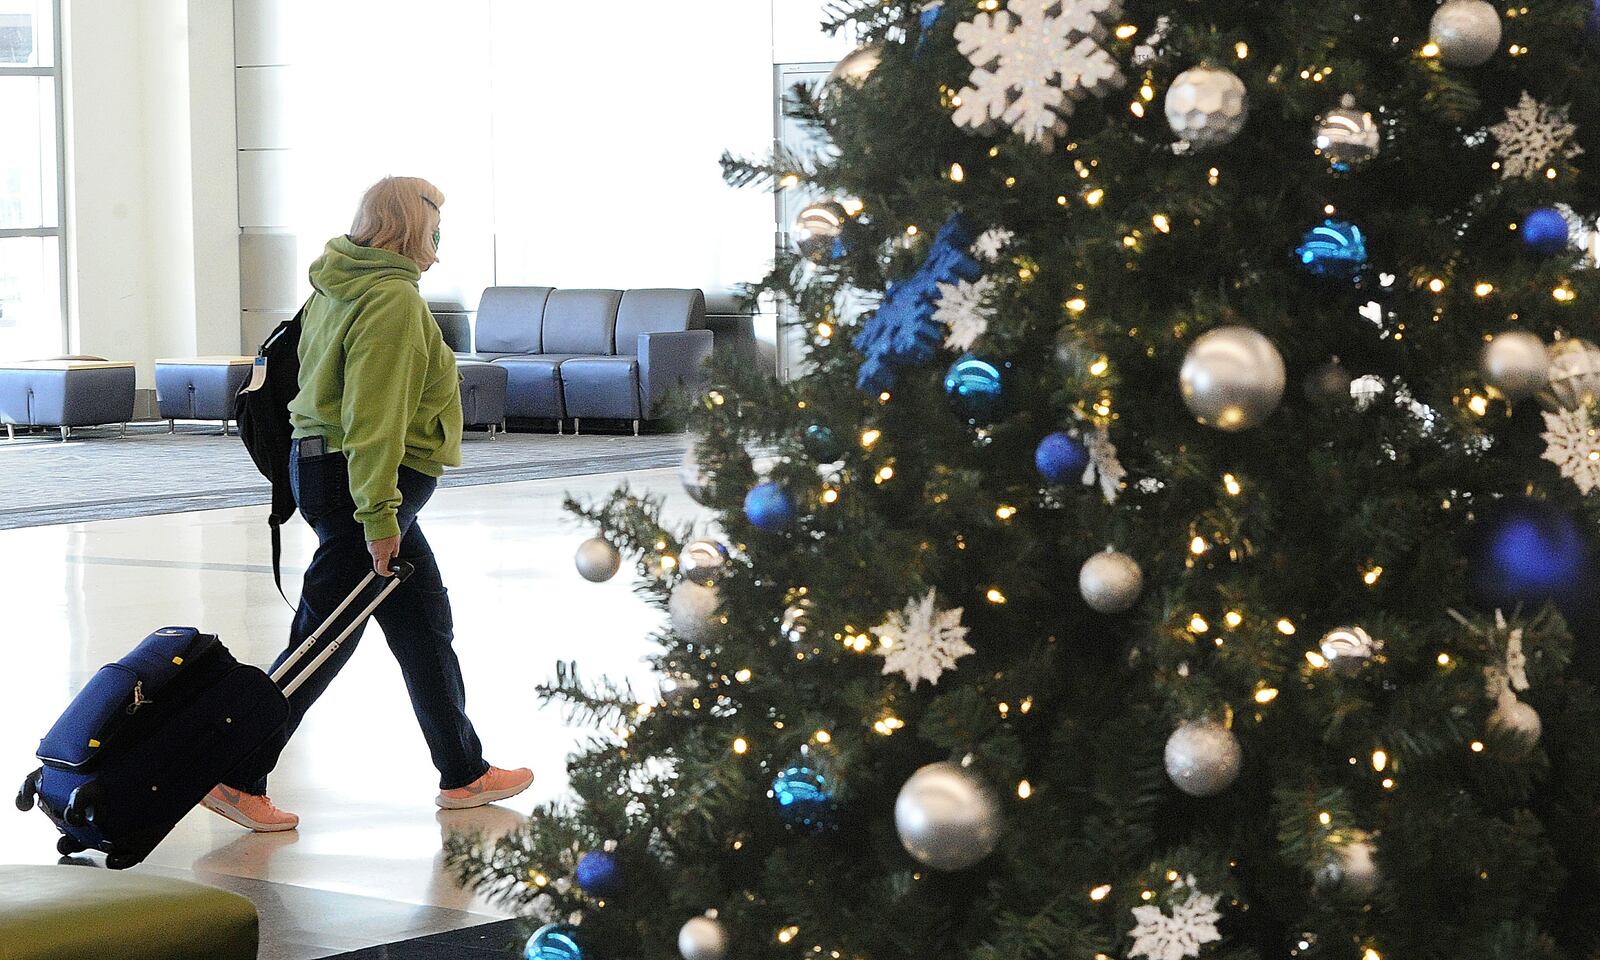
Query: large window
point(32, 302)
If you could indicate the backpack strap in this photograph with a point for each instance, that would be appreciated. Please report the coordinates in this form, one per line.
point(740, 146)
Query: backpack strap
point(277, 558)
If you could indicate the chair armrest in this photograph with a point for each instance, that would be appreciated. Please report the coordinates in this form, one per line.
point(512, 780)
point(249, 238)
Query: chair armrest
point(670, 361)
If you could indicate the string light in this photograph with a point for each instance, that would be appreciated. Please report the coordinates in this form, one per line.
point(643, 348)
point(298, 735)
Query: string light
point(789, 180)
point(1024, 790)
point(1286, 627)
point(1213, 176)
point(741, 746)
point(1198, 546)
point(1477, 746)
point(1430, 50)
point(870, 437)
point(1233, 618)
point(540, 880)
point(743, 676)
point(1316, 660)
point(830, 495)
point(1478, 405)
point(1483, 289)
point(1266, 695)
point(995, 596)
point(1160, 222)
point(1077, 304)
point(787, 934)
point(888, 725)
point(1093, 197)
point(1436, 285)
point(1100, 893)
point(1197, 624)
point(1242, 50)
point(1127, 31)
point(1005, 512)
point(825, 330)
point(1564, 294)
point(1325, 818)
point(957, 174)
point(1371, 577)
point(1380, 760)
point(1100, 367)
point(823, 736)
point(1230, 483)
point(1371, 954)
point(885, 475)
point(1444, 659)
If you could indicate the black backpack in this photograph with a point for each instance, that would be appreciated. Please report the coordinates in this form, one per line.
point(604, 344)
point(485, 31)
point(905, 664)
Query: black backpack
point(262, 409)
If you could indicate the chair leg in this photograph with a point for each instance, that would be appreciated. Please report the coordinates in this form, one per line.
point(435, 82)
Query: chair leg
point(66, 434)
point(227, 428)
point(11, 432)
point(577, 426)
point(172, 426)
point(123, 435)
point(636, 428)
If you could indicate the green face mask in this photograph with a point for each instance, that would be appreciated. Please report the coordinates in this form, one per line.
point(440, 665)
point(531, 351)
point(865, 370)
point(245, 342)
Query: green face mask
point(435, 239)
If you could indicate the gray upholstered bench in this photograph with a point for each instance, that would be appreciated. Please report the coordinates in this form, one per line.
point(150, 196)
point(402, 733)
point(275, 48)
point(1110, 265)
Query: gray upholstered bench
point(72, 912)
point(66, 393)
point(483, 394)
point(200, 388)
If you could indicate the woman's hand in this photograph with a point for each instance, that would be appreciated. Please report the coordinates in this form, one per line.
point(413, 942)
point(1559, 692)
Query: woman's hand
point(382, 552)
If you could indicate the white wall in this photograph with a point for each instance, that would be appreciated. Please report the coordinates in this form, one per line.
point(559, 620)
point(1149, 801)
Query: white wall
point(151, 228)
point(574, 149)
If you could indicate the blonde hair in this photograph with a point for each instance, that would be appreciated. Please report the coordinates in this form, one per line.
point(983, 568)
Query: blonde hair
point(400, 214)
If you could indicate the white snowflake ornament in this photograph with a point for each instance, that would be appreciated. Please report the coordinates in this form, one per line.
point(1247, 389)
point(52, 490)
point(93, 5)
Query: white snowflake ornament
point(1104, 467)
point(923, 642)
point(963, 309)
point(1533, 136)
point(991, 243)
point(1031, 61)
point(1573, 444)
point(1191, 925)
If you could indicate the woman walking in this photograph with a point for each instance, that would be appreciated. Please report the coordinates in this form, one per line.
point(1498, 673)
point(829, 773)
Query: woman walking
point(376, 422)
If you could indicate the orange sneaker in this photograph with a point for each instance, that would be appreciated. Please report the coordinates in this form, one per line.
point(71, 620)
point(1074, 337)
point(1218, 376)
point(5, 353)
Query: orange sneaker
point(495, 785)
point(248, 810)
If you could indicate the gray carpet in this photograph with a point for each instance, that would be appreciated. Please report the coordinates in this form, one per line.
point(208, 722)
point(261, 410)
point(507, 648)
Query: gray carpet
point(96, 476)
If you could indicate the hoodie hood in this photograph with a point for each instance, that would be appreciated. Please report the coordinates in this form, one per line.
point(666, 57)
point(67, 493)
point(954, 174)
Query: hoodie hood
point(347, 271)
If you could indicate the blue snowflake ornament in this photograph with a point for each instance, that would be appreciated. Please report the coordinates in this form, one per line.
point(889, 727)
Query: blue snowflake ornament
point(1336, 250)
point(903, 332)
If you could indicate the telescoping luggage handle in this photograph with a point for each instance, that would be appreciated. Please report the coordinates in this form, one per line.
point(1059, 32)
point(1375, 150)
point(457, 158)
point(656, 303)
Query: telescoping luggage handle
point(401, 571)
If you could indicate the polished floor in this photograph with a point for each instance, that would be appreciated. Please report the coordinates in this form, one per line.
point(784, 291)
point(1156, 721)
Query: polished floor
point(364, 867)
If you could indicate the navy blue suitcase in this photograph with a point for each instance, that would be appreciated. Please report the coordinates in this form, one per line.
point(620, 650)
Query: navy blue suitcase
point(149, 736)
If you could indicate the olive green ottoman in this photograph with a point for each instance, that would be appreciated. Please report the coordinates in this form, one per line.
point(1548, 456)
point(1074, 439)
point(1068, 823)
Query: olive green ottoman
point(72, 913)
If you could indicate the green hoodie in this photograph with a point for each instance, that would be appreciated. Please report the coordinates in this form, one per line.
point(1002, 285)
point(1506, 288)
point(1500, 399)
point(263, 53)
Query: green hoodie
point(376, 378)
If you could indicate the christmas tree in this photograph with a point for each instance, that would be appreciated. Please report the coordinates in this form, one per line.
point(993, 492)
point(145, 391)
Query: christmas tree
point(1176, 545)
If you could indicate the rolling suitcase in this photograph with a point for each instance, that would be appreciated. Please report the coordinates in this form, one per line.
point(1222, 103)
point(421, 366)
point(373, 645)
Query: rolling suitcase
point(151, 734)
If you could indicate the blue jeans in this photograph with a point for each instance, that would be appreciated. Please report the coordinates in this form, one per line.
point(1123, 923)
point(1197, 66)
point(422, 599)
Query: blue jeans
point(416, 620)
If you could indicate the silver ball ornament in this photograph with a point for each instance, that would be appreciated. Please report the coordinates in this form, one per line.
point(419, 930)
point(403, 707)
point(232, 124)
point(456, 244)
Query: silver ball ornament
point(816, 228)
point(1328, 383)
point(1232, 379)
point(696, 480)
point(1352, 872)
point(1467, 32)
point(1348, 136)
point(857, 66)
point(1110, 582)
point(1366, 390)
point(703, 938)
point(947, 818)
point(703, 561)
point(1348, 649)
point(1516, 364)
point(597, 560)
point(1203, 758)
point(692, 609)
point(1207, 106)
point(1573, 376)
point(796, 622)
point(1517, 726)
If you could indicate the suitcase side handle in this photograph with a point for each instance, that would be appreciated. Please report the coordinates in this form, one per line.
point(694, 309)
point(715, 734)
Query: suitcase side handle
point(400, 571)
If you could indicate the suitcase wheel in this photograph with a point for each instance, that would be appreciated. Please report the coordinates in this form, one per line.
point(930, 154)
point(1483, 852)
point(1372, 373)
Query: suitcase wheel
point(82, 808)
point(29, 791)
point(121, 861)
point(67, 846)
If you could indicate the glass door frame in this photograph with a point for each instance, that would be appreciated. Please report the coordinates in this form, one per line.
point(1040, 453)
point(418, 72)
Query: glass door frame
point(59, 231)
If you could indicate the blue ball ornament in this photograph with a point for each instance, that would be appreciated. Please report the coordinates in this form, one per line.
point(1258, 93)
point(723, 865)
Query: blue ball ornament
point(599, 873)
point(976, 388)
point(1336, 250)
point(805, 798)
point(1526, 550)
point(1061, 457)
point(554, 941)
point(1545, 231)
point(769, 507)
point(823, 444)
